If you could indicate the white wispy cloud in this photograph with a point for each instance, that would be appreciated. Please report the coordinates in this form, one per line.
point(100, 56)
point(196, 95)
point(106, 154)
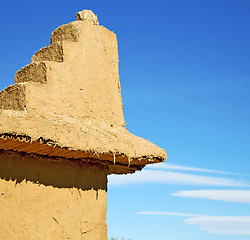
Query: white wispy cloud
point(240, 196)
point(222, 225)
point(232, 225)
point(170, 166)
point(168, 177)
point(168, 213)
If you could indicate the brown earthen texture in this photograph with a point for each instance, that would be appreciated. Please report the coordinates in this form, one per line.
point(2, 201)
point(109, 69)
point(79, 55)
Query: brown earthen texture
point(87, 15)
point(62, 131)
point(71, 94)
point(53, 199)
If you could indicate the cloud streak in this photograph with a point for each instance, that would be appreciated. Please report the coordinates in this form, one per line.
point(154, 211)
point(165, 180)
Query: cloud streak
point(170, 166)
point(168, 177)
point(229, 225)
point(168, 213)
point(222, 225)
point(239, 196)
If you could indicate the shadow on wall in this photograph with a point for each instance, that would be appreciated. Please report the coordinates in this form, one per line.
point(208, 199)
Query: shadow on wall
point(56, 172)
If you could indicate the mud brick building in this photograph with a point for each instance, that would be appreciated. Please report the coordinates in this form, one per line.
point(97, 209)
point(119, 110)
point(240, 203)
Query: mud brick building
point(62, 131)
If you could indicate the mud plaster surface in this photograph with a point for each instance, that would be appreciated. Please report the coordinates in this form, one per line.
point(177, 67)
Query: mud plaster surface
point(57, 200)
point(71, 93)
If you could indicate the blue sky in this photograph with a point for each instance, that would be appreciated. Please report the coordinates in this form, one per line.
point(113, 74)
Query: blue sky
point(185, 77)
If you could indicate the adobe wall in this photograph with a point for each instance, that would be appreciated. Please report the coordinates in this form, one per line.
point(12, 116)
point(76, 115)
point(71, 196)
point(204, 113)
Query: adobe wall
point(71, 94)
point(65, 105)
point(76, 76)
point(49, 198)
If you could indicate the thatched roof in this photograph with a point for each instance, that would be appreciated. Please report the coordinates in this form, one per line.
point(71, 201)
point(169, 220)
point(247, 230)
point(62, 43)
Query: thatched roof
point(67, 102)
